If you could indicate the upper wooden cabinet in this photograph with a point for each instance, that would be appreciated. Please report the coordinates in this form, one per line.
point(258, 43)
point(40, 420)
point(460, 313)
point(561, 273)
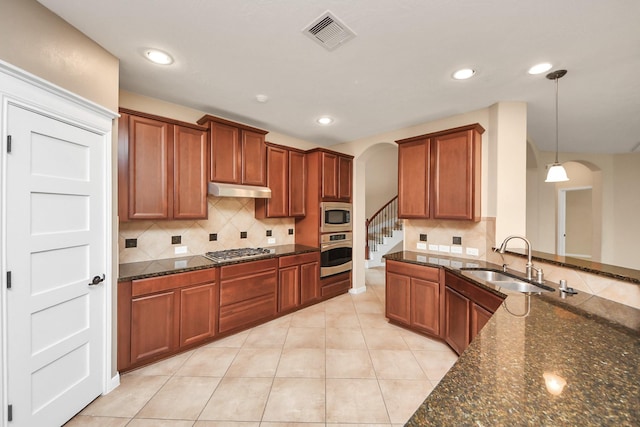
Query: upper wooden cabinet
point(286, 177)
point(439, 174)
point(238, 152)
point(336, 176)
point(162, 168)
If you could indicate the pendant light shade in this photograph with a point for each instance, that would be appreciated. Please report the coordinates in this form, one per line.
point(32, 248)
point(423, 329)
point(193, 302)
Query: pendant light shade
point(556, 172)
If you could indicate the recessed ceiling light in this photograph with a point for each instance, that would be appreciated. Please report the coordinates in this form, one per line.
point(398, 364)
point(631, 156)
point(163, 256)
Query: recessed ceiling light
point(540, 68)
point(463, 74)
point(325, 120)
point(158, 57)
point(262, 98)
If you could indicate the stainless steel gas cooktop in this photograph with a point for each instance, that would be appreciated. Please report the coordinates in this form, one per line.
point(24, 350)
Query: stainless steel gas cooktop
point(233, 254)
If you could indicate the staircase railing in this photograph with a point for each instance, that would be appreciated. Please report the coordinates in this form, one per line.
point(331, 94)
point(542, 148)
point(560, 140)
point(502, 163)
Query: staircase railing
point(381, 224)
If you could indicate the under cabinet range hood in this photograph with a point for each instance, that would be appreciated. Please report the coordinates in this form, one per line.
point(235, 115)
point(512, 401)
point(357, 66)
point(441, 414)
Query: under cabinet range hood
point(236, 190)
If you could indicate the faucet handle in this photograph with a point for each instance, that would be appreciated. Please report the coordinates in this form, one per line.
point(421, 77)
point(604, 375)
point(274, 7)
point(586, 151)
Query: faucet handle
point(504, 267)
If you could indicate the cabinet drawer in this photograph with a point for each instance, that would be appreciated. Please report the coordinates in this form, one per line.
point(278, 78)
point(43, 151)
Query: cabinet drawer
point(476, 294)
point(172, 281)
point(243, 269)
point(431, 274)
point(247, 312)
point(287, 261)
point(249, 286)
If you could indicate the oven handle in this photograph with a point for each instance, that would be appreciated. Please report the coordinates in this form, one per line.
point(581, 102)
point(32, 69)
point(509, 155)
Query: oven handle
point(341, 244)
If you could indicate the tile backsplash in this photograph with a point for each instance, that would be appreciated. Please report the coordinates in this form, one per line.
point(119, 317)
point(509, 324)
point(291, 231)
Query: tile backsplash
point(229, 218)
point(473, 235)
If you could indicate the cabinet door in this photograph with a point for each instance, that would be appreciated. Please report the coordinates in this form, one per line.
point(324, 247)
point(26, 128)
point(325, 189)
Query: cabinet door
point(297, 183)
point(225, 154)
point(329, 176)
point(425, 305)
point(413, 179)
point(189, 173)
point(150, 150)
point(309, 282)
point(398, 298)
point(479, 318)
point(254, 159)
point(453, 176)
point(456, 307)
point(154, 325)
point(198, 313)
point(288, 288)
point(277, 180)
point(345, 176)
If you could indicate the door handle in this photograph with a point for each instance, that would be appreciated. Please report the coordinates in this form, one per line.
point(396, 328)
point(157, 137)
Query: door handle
point(97, 280)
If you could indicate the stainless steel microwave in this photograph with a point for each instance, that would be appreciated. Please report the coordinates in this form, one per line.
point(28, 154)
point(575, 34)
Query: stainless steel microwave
point(335, 217)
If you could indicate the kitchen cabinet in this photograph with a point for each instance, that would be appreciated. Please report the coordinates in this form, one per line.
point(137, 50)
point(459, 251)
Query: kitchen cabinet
point(162, 168)
point(247, 294)
point(286, 177)
point(439, 174)
point(329, 178)
point(298, 282)
point(160, 316)
point(413, 296)
point(467, 309)
point(335, 285)
point(238, 152)
point(336, 176)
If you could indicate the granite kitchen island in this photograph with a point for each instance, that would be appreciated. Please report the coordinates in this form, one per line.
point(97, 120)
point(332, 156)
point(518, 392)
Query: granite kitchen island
point(560, 364)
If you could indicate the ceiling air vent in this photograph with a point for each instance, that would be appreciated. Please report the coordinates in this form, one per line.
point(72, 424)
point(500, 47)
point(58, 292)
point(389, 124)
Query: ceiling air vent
point(329, 31)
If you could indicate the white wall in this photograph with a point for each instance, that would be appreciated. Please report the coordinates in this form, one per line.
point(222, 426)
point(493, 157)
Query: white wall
point(381, 178)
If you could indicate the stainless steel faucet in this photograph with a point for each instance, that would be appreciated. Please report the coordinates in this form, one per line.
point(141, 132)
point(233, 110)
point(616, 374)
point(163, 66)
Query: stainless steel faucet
point(529, 266)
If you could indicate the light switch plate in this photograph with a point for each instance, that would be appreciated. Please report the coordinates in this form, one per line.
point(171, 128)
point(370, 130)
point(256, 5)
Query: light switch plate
point(179, 250)
point(271, 240)
point(433, 247)
point(444, 248)
point(456, 249)
point(422, 245)
point(472, 251)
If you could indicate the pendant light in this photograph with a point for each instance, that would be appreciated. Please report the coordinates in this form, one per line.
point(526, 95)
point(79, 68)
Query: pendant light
point(556, 172)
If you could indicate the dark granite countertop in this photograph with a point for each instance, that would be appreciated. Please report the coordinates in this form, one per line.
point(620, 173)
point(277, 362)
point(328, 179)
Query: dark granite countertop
point(588, 266)
point(161, 267)
point(591, 343)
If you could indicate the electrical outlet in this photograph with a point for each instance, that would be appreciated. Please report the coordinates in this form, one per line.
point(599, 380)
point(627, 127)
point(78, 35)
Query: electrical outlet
point(176, 240)
point(269, 233)
point(291, 231)
point(444, 248)
point(243, 234)
point(271, 240)
point(457, 240)
point(473, 251)
point(130, 243)
point(423, 237)
point(179, 250)
point(422, 246)
point(213, 237)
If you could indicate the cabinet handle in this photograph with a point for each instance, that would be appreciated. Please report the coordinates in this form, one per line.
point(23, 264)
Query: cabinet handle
point(97, 280)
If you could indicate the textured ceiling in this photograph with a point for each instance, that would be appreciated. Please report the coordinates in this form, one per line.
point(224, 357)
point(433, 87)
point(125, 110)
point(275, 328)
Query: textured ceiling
point(395, 73)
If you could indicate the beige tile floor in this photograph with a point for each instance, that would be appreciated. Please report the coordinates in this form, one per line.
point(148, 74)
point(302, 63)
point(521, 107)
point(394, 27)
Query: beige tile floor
point(337, 363)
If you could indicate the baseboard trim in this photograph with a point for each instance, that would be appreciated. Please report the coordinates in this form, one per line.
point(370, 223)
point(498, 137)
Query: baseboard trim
point(360, 290)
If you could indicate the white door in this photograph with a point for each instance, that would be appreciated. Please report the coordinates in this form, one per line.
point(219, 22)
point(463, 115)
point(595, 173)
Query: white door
point(55, 228)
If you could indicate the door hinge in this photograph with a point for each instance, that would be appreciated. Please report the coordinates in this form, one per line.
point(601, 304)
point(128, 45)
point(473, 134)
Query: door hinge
point(8, 280)
point(10, 413)
point(8, 143)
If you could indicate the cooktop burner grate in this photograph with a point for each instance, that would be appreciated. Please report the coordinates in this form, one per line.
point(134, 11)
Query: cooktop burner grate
point(231, 254)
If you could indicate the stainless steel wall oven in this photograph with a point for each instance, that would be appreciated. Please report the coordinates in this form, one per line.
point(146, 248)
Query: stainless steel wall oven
point(335, 253)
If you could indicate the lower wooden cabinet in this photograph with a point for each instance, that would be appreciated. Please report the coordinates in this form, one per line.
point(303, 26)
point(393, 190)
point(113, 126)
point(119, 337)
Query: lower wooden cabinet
point(298, 280)
point(159, 316)
point(467, 309)
point(413, 296)
point(335, 285)
point(247, 293)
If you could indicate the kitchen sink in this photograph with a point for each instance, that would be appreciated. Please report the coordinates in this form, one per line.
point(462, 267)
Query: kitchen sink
point(506, 281)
